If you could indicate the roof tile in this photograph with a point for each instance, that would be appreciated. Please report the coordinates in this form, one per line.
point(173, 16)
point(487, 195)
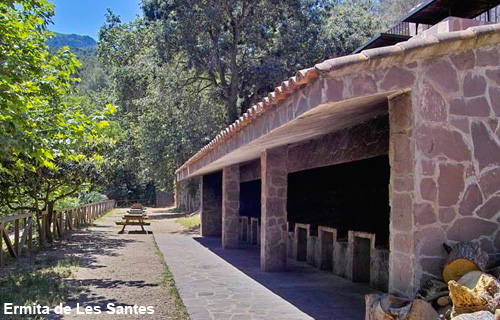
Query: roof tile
point(304, 76)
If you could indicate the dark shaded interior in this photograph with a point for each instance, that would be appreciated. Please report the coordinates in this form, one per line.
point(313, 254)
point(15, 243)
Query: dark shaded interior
point(244, 230)
point(255, 232)
point(349, 196)
point(302, 244)
point(213, 185)
point(327, 249)
point(361, 260)
point(250, 198)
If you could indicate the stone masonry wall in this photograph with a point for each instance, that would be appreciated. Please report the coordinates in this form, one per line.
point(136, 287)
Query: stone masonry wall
point(457, 155)
point(230, 206)
point(367, 140)
point(274, 231)
point(445, 155)
point(364, 141)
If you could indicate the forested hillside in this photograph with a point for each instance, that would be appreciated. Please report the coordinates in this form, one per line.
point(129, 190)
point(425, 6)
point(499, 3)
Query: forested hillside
point(71, 40)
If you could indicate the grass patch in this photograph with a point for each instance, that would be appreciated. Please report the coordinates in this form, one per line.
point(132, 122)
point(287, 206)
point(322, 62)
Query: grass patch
point(39, 283)
point(191, 222)
point(178, 310)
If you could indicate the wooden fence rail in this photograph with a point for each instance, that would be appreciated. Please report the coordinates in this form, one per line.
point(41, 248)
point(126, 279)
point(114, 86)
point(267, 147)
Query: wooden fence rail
point(63, 220)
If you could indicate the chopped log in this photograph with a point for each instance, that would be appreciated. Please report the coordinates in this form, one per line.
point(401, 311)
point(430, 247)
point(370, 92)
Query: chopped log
point(433, 289)
point(470, 279)
point(480, 315)
point(462, 258)
point(474, 292)
point(388, 307)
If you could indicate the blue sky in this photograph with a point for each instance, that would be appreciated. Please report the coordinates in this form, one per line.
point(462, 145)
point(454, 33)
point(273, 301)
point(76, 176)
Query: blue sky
point(85, 17)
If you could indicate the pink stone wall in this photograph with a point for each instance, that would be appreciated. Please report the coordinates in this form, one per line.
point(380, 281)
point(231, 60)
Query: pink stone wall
point(230, 206)
point(371, 139)
point(450, 24)
point(444, 154)
point(457, 154)
point(273, 210)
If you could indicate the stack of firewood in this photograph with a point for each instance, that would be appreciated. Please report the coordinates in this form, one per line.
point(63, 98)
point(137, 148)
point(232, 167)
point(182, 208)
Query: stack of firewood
point(468, 291)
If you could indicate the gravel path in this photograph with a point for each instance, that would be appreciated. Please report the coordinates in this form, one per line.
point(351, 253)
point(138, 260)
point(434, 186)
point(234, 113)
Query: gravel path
point(121, 269)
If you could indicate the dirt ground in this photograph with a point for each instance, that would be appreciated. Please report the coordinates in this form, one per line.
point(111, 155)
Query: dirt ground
point(124, 270)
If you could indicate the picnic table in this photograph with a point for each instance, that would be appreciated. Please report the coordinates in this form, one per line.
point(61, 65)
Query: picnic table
point(134, 217)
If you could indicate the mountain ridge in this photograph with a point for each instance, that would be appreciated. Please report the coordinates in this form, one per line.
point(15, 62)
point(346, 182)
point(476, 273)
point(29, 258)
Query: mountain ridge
point(71, 40)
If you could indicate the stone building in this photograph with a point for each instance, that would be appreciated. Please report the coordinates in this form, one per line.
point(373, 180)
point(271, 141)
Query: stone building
point(365, 164)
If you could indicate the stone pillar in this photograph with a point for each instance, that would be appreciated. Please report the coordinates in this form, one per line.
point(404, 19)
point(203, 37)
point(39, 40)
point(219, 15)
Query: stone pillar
point(230, 206)
point(402, 260)
point(211, 205)
point(273, 209)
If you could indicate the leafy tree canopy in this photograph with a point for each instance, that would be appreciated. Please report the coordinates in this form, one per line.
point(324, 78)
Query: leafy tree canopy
point(188, 68)
point(50, 143)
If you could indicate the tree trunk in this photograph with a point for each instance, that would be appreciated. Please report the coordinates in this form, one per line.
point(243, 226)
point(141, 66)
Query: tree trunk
point(462, 258)
point(233, 113)
point(41, 233)
point(50, 212)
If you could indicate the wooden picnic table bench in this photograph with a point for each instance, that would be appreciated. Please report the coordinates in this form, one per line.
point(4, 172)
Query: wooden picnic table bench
point(133, 220)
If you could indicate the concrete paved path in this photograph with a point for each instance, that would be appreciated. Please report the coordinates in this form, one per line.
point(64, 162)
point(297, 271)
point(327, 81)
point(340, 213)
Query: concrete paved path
point(228, 284)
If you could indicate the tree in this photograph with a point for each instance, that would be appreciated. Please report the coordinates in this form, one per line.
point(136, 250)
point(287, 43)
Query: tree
point(47, 142)
point(393, 10)
point(164, 116)
point(189, 67)
point(350, 24)
point(241, 48)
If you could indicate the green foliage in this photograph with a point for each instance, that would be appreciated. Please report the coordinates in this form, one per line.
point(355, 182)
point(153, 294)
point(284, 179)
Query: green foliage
point(241, 48)
point(93, 197)
point(163, 117)
point(350, 24)
point(49, 143)
point(191, 222)
point(186, 69)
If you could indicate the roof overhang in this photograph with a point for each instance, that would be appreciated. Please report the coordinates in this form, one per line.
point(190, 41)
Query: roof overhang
point(433, 11)
point(382, 40)
point(321, 120)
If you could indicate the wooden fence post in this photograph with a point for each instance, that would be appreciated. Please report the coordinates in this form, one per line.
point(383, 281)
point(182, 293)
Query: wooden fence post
point(1, 244)
point(16, 236)
point(30, 235)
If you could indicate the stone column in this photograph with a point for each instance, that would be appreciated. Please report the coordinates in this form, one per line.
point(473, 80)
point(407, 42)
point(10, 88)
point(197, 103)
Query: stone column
point(273, 212)
point(211, 205)
point(230, 206)
point(402, 266)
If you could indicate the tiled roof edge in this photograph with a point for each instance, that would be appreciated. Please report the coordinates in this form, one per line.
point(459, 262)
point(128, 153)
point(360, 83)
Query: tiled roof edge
point(304, 76)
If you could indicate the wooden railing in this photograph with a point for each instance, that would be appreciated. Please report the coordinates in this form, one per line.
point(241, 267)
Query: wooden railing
point(63, 220)
point(125, 203)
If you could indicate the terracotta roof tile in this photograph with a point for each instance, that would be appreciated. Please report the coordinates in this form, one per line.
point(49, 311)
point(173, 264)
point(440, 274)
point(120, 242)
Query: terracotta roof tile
point(304, 76)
